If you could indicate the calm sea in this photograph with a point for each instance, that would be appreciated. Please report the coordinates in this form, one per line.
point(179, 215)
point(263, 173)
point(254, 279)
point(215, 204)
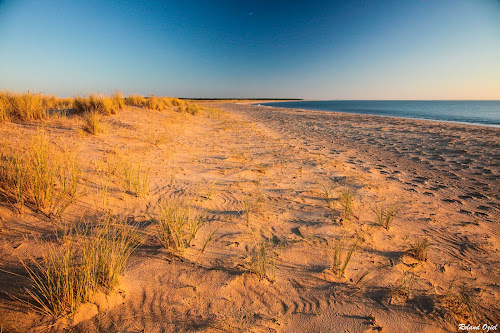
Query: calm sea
point(474, 112)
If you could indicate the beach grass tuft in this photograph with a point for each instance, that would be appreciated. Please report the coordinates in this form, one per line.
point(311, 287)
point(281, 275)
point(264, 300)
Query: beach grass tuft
point(419, 250)
point(42, 177)
point(347, 199)
point(385, 214)
point(135, 178)
point(93, 123)
point(343, 253)
point(177, 224)
point(262, 261)
point(85, 262)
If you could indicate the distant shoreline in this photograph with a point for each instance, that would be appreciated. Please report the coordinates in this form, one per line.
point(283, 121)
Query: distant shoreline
point(241, 99)
point(404, 114)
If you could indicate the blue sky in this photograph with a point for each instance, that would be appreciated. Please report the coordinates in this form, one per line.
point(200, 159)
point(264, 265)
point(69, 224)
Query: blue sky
point(380, 49)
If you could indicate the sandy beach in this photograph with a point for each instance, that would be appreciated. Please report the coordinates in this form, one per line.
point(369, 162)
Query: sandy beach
point(310, 222)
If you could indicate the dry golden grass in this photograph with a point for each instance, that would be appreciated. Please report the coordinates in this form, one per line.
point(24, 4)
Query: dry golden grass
point(177, 225)
point(42, 177)
point(262, 261)
point(4, 111)
point(91, 259)
point(419, 250)
point(30, 106)
point(135, 100)
point(98, 103)
point(25, 106)
point(34, 106)
point(93, 123)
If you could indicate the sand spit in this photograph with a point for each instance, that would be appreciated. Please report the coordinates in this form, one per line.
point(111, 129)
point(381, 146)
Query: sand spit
point(292, 204)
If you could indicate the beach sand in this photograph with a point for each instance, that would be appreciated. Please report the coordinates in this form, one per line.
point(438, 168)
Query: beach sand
point(276, 179)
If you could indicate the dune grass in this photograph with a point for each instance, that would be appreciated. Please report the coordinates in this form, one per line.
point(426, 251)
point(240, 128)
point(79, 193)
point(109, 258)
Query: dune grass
point(463, 303)
point(343, 253)
point(262, 261)
point(177, 224)
point(4, 109)
point(30, 106)
point(93, 123)
point(135, 179)
point(385, 214)
point(404, 286)
point(135, 100)
point(346, 200)
point(42, 177)
point(98, 103)
point(88, 261)
point(419, 250)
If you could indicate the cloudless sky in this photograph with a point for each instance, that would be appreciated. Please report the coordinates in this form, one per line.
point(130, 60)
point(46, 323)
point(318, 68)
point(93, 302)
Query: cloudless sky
point(365, 49)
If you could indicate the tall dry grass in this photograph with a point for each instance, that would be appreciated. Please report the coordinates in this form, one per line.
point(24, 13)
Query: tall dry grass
point(41, 177)
point(177, 224)
point(36, 106)
point(93, 123)
point(89, 260)
point(30, 106)
point(97, 103)
point(135, 100)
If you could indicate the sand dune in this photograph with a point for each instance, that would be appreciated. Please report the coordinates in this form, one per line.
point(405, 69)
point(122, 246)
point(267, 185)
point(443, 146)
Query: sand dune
point(272, 181)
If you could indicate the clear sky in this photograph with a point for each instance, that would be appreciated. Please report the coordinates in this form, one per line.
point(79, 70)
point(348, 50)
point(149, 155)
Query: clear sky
point(365, 49)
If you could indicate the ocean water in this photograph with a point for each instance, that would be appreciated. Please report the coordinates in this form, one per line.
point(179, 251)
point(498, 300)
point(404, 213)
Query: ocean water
point(473, 112)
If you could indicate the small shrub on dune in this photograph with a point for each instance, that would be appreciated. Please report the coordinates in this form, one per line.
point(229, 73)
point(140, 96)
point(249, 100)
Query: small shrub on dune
point(175, 101)
point(154, 103)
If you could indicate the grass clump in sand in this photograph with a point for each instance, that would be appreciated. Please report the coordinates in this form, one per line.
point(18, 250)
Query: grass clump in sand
point(135, 179)
point(177, 224)
point(463, 303)
point(42, 177)
point(328, 196)
point(420, 249)
point(404, 287)
point(88, 261)
point(346, 199)
point(262, 261)
point(93, 123)
point(246, 210)
point(343, 252)
point(385, 214)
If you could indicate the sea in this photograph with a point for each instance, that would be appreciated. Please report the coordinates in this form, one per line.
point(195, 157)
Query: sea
point(486, 113)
